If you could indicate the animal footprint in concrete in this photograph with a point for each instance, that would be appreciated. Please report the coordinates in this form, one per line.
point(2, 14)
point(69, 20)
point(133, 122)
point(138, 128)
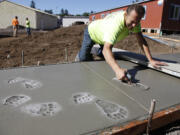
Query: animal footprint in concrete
point(27, 83)
point(42, 109)
point(31, 84)
point(16, 80)
point(112, 111)
point(16, 100)
point(81, 98)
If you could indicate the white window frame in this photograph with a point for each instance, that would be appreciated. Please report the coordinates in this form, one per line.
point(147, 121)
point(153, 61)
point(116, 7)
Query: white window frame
point(144, 17)
point(102, 15)
point(93, 17)
point(178, 14)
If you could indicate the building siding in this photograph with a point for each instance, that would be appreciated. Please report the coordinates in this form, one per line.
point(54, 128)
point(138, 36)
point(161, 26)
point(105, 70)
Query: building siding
point(153, 15)
point(8, 11)
point(46, 22)
point(153, 12)
point(38, 19)
point(167, 23)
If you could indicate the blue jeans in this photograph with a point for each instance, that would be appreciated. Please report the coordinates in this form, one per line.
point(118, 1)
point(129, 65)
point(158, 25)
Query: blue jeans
point(28, 30)
point(87, 44)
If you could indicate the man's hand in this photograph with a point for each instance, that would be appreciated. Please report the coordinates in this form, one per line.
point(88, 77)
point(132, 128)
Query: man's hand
point(121, 75)
point(157, 64)
point(108, 55)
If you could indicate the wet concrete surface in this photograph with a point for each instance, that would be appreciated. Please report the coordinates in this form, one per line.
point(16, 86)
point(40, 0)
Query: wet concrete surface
point(164, 88)
point(80, 98)
point(61, 84)
point(171, 57)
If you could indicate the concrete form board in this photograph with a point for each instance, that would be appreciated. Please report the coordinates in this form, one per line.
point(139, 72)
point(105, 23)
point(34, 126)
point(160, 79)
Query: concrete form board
point(173, 67)
point(58, 84)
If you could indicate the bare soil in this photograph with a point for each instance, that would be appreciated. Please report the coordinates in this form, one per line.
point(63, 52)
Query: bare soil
point(49, 47)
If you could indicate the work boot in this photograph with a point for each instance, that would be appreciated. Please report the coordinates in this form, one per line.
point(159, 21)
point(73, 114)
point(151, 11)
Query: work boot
point(77, 58)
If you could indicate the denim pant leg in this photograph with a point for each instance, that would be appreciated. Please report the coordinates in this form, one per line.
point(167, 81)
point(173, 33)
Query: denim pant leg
point(28, 31)
point(100, 54)
point(87, 44)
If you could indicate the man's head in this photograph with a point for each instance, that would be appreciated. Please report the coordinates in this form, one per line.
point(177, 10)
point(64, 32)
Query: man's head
point(26, 18)
point(133, 15)
point(16, 17)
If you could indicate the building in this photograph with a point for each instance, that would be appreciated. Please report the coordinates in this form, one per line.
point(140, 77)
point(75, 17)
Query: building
point(39, 19)
point(74, 20)
point(162, 16)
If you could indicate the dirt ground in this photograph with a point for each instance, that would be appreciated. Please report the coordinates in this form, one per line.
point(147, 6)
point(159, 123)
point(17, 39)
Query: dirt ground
point(49, 47)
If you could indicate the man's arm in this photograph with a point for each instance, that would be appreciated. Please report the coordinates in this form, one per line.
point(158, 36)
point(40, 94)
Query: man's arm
point(144, 46)
point(108, 55)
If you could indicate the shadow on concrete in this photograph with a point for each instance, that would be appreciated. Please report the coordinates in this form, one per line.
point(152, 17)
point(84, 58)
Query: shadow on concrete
point(120, 55)
point(134, 72)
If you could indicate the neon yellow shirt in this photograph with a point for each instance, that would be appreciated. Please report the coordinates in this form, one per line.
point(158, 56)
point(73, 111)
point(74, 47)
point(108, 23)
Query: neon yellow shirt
point(111, 29)
point(27, 24)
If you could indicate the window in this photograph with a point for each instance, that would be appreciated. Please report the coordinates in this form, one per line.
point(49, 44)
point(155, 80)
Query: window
point(145, 7)
point(107, 14)
point(174, 12)
point(102, 15)
point(93, 17)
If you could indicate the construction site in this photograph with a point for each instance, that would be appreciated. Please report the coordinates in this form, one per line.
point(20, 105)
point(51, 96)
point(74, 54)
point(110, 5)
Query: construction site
point(44, 91)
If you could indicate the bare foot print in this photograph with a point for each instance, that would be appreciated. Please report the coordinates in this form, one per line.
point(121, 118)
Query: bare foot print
point(112, 111)
point(16, 100)
point(81, 98)
point(42, 109)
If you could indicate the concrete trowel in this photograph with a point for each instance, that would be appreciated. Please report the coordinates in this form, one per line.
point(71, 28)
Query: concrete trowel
point(130, 83)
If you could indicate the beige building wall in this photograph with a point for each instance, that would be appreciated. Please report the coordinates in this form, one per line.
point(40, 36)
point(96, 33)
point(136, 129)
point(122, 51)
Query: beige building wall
point(38, 19)
point(9, 10)
point(45, 21)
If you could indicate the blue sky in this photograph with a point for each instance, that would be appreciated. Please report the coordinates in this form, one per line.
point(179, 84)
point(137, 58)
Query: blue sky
point(75, 6)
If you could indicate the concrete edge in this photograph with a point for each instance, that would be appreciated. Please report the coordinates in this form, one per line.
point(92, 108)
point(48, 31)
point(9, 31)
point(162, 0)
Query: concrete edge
point(137, 127)
point(163, 69)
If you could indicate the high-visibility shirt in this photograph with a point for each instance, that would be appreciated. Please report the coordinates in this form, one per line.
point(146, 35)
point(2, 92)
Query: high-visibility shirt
point(27, 24)
point(15, 22)
point(110, 29)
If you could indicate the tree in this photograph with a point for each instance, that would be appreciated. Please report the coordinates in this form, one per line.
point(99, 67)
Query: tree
point(62, 12)
point(49, 11)
point(92, 12)
point(66, 12)
point(33, 4)
point(85, 14)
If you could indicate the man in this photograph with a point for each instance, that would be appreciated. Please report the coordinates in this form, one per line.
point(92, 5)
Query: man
point(15, 24)
point(108, 31)
point(28, 27)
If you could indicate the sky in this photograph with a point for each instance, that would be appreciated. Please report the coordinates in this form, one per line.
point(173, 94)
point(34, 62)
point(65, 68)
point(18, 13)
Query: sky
point(75, 6)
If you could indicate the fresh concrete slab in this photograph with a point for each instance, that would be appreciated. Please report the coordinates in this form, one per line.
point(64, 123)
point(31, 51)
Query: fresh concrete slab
point(171, 57)
point(78, 98)
point(68, 99)
point(164, 88)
